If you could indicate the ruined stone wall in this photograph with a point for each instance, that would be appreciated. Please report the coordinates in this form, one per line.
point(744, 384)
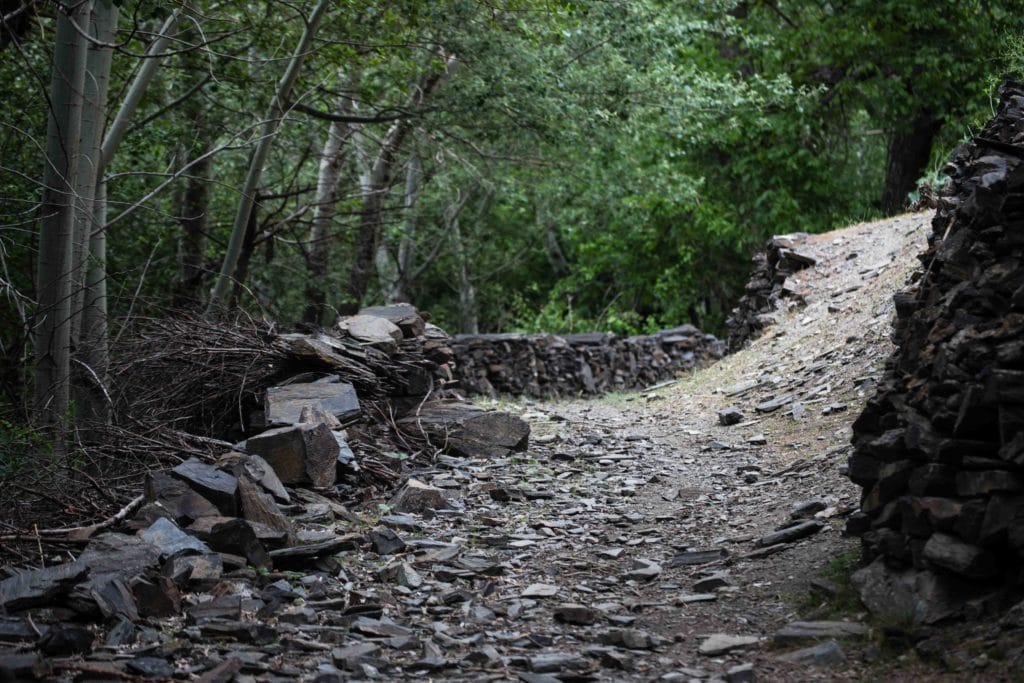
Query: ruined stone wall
point(545, 365)
point(939, 450)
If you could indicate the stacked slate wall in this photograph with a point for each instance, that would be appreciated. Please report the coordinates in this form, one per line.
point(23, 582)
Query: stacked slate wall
point(544, 365)
point(939, 450)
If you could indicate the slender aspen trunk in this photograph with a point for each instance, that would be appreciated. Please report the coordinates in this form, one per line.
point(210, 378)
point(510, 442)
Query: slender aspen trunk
point(271, 123)
point(319, 250)
point(394, 269)
point(57, 223)
point(87, 329)
point(376, 187)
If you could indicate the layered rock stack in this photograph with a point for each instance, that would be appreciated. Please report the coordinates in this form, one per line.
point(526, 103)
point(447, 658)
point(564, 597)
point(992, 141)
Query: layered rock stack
point(939, 451)
point(768, 291)
point(547, 365)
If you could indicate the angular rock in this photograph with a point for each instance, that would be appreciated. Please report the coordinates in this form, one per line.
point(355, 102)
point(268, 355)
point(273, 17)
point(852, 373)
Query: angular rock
point(792, 533)
point(114, 599)
point(572, 613)
point(302, 555)
point(713, 582)
point(643, 570)
point(220, 488)
point(720, 643)
point(184, 569)
point(158, 597)
point(541, 590)
point(692, 558)
point(301, 454)
point(467, 431)
point(553, 662)
point(284, 404)
point(418, 498)
point(730, 416)
point(405, 316)
point(804, 630)
point(962, 558)
point(741, 673)
point(260, 507)
point(630, 638)
point(370, 329)
point(914, 596)
point(825, 654)
point(170, 540)
point(182, 504)
point(385, 541)
point(38, 587)
point(235, 536)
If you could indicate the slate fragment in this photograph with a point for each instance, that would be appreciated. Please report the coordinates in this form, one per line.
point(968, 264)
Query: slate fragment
point(220, 488)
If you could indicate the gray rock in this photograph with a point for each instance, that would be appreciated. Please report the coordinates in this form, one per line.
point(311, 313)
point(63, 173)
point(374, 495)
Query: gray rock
point(630, 638)
point(803, 630)
point(912, 595)
point(572, 613)
point(385, 541)
point(774, 404)
point(741, 673)
point(171, 540)
point(552, 662)
point(698, 557)
point(302, 454)
point(792, 533)
point(713, 582)
point(417, 497)
point(177, 499)
point(807, 508)
point(36, 587)
point(824, 655)
point(220, 488)
point(643, 570)
point(730, 416)
point(370, 329)
point(962, 558)
point(284, 404)
point(720, 643)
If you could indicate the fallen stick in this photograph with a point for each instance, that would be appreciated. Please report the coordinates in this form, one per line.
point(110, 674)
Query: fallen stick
point(78, 533)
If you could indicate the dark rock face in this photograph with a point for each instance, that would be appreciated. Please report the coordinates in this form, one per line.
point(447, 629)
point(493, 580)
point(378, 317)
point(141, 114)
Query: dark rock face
point(939, 449)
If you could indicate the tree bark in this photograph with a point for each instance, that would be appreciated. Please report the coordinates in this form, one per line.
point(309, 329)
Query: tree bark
point(468, 314)
point(377, 184)
point(395, 268)
point(909, 150)
point(319, 250)
point(88, 326)
point(271, 123)
point(52, 337)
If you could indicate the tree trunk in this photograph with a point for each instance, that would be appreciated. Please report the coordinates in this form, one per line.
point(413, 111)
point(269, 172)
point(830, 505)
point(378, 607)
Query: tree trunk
point(268, 131)
point(395, 269)
point(909, 151)
point(52, 332)
point(194, 198)
point(468, 315)
point(377, 184)
point(88, 329)
point(319, 253)
point(245, 253)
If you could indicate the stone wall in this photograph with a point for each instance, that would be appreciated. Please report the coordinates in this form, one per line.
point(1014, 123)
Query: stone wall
point(546, 365)
point(939, 450)
point(767, 290)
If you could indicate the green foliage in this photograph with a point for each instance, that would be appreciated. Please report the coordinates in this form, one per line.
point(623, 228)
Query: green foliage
point(622, 160)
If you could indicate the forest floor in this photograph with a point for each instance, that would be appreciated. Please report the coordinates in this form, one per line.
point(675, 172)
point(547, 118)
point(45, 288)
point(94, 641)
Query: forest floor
point(632, 541)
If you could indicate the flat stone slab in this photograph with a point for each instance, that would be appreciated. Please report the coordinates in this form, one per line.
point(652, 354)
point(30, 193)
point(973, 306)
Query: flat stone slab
point(720, 643)
point(165, 535)
point(792, 533)
point(804, 630)
point(220, 488)
point(300, 454)
point(284, 404)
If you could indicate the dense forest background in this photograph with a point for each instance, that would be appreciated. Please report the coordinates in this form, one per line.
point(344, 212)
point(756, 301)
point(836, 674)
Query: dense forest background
point(506, 165)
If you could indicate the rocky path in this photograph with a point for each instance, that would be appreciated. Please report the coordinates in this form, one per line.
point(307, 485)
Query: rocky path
point(638, 538)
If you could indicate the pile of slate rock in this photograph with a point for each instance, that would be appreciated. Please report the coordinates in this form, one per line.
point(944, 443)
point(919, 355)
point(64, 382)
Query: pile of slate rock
point(245, 515)
point(770, 288)
point(939, 450)
point(545, 365)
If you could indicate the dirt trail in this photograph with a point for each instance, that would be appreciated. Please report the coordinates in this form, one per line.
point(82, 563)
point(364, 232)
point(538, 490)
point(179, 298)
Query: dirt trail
point(632, 541)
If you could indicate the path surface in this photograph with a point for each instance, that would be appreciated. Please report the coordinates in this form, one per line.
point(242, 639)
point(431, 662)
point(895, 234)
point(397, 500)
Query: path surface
point(574, 561)
point(633, 540)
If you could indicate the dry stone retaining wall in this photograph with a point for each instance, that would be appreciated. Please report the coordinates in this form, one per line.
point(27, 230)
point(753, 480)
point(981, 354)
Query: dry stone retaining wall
point(545, 365)
point(939, 450)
